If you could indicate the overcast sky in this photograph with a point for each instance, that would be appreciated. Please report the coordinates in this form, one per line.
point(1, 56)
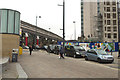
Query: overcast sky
point(51, 14)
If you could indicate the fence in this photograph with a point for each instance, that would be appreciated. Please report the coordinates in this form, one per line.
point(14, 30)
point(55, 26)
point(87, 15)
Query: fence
point(111, 46)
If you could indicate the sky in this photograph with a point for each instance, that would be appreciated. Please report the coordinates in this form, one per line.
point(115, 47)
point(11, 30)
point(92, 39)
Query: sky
point(51, 14)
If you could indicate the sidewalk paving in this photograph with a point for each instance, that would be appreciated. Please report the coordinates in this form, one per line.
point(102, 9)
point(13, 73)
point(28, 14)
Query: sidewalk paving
point(11, 71)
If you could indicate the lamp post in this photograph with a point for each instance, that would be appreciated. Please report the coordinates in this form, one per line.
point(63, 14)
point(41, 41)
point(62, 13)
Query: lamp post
point(36, 31)
point(74, 30)
point(118, 10)
point(63, 23)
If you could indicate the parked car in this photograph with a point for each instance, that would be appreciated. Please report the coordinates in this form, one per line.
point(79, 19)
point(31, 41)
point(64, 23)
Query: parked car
point(50, 48)
point(25, 47)
point(74, 50)
point(57, 49)
point(98, 55)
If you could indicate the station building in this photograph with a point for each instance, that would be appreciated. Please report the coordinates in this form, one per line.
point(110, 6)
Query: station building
point(9, 31)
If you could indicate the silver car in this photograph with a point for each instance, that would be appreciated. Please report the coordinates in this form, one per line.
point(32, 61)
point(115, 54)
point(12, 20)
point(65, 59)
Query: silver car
point(98, 55)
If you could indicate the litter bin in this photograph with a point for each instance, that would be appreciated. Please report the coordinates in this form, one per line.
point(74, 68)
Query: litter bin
point(20, 50)
point(14, 57)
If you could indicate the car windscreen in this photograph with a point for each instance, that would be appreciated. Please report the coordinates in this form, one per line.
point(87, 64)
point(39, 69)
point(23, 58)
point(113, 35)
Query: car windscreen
point(102, 52)
point(79, 48)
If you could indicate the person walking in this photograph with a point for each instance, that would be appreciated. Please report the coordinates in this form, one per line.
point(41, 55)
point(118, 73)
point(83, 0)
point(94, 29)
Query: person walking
point(61, 53)
point(30, 49)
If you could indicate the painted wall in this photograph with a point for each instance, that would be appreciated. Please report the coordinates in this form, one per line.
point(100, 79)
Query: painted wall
point(107, 46)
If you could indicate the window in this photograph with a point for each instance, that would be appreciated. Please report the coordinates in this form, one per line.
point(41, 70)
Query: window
point(114, 22)
point(108, 15)
point(115, 35)
point(108, 22)
point(11, 22)
point(104, 3)
point(104, 14)
point(114, 29)
point(105, 35)
point(105, 28)
point(113, 3)
point(108, 3)
point(109, 35)
point(3, 21)
point(108, 9)
point(105, 21)
point(114, 9)
point(108, 29)
point(104, 8)
point(114, 15)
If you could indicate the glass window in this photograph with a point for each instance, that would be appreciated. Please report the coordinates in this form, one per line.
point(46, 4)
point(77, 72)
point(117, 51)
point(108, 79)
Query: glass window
point(114, 15)
point(108, 15)
point(115, 35)
point(114, 22)
point(114, 9)
point(108, 22)
point(104, 8)
point(108, 3)
point(109, 35)
point(105, 21)
point(104, 14)
point(105, 34)
point(11, 22)
point(105, 28)
point(4, 21)
point(114, 28)
point(104, 2)
point(0, 21)
point(108, 29)
point(17, 22)
point(113, 3)
point(108, 9)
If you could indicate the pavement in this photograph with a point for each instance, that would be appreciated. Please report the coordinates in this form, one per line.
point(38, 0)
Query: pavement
point(43, 65)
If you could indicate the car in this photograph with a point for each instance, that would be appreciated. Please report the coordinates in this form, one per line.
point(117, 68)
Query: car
point(25, 47)
point(74, 50)
point(98, 55)
point(57, 49)
point(50, 48)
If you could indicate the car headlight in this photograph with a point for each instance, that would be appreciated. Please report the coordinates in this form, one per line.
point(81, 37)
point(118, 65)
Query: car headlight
point(77, 53)
point(104, 57)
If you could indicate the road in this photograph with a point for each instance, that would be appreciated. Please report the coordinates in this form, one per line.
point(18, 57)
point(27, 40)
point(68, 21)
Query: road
point(43, 65)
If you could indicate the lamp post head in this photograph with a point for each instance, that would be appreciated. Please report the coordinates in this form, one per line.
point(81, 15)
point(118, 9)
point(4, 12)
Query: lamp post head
point(73, 21)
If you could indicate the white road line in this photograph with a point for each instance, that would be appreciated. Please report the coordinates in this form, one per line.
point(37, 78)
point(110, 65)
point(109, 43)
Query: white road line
point(21, 73)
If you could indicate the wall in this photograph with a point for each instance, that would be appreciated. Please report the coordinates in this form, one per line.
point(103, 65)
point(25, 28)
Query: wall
point(9, 42)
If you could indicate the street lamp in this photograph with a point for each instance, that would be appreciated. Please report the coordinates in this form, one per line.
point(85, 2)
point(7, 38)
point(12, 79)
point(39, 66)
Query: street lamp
point(63, 23)
point(49, 29)
point(36, 30)
point(74, 30)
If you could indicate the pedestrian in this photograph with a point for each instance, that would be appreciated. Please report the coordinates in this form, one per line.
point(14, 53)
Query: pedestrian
point(30, 49)
point(61, 53)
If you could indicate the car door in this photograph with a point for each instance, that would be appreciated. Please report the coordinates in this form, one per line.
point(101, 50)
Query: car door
point(72, 50)
point(67, 50)
point(94, 56)
point(89, 54)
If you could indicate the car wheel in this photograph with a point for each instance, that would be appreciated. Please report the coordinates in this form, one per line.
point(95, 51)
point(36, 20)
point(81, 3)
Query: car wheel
point(86, 58)
point(99, 60)
point(74, 56)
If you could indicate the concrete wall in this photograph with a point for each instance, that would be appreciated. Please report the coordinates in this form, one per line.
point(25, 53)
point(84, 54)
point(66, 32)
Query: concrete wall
point(9, 41)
